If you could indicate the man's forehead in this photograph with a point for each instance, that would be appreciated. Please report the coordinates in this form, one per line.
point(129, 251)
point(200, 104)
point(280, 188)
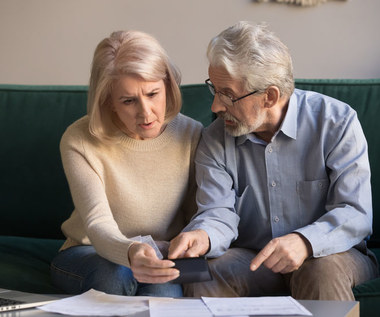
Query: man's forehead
point(221, 79)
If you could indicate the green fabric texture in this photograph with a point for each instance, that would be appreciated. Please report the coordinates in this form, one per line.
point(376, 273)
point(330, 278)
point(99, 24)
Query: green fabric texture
point(25, 263)
point(197, 101)
point(34, 195)
point(368, 294)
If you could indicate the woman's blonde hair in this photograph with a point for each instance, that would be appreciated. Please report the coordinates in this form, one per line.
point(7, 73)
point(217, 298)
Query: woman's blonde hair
point(128, 53)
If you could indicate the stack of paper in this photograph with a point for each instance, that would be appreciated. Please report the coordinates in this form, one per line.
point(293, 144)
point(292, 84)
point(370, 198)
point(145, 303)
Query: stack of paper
point(95, 303)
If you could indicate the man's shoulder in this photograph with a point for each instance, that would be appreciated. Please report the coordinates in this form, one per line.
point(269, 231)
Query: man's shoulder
point(186, 128)
point(215, 129)
point(320, 105)
point(213, 138)
point(187, 121)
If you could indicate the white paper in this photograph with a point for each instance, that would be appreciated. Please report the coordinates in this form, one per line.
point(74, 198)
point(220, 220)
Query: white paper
point(237, 306)
point(95, 303)
point(149, 240)
point(178, 307)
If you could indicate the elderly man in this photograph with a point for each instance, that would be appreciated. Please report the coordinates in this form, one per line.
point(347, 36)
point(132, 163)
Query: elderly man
point(284, 198)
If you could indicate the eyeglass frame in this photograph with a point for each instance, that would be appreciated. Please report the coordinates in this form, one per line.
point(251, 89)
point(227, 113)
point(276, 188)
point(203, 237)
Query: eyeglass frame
point(213, 91)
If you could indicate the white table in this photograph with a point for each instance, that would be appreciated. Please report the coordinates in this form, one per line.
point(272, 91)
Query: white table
point(317, 308)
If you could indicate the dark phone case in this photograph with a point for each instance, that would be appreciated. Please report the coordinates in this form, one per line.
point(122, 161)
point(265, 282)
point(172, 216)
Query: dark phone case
point(192, 270)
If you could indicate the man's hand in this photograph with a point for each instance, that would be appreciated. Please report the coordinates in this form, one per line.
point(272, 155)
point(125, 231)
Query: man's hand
point(189, 244)
point(284, 254)
point(147, 267)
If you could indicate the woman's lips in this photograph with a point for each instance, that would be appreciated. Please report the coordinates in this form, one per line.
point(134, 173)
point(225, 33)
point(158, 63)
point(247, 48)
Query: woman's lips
point(146, 126)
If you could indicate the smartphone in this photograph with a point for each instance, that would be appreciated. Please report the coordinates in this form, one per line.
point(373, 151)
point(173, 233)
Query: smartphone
point(192, 270)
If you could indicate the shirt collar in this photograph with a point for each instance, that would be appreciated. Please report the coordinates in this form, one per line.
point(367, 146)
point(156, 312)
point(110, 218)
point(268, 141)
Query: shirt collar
point(289, 125)
point(251, 137)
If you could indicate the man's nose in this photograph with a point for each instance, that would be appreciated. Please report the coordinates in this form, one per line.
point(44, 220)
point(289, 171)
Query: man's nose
point(217, 105)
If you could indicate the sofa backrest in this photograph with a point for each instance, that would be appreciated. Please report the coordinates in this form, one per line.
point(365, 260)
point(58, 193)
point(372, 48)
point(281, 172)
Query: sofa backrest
point(34, 196)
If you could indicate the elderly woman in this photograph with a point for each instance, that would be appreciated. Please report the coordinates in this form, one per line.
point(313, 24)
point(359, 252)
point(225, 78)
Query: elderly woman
point(129, 165)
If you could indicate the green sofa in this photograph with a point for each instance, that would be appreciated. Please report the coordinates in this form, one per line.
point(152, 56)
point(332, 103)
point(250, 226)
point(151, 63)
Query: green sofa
point(34, 196)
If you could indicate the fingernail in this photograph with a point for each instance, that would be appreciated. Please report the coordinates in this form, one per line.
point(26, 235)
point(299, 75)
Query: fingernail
point(253, 267)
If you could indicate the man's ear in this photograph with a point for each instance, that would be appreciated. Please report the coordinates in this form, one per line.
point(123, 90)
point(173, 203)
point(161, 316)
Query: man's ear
point(272, 96)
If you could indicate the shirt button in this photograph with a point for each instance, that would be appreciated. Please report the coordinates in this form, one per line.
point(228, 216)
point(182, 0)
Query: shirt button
point(276, 219)
point(270, 150)
point(274, 184)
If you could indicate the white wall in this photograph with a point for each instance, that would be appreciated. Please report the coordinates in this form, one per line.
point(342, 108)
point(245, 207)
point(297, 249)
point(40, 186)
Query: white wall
point(52, 41)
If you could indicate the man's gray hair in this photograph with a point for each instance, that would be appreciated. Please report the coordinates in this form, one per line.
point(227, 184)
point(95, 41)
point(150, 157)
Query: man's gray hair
point(254, 55)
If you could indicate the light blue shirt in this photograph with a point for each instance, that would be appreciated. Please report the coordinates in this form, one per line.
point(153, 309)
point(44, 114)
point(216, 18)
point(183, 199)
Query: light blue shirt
point(312, 178)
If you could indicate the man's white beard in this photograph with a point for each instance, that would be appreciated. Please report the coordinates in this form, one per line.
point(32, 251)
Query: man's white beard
point(241, 128)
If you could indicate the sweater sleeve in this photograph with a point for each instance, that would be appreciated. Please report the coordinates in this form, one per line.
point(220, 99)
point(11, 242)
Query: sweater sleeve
point(90, 200)
point(190, 205)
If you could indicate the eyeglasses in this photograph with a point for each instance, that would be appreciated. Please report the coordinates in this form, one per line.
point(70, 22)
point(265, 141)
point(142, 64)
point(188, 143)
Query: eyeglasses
point(227, 100)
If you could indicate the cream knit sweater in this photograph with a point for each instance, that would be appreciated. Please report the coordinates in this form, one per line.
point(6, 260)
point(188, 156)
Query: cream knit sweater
point(130, 187)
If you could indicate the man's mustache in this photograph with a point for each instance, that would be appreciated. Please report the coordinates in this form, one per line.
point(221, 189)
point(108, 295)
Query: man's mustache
point(227, 116)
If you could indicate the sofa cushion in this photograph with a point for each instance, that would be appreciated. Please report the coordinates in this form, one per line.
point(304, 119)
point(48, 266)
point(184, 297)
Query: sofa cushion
point(368, 294)
point(34, 198)
point(25, 263)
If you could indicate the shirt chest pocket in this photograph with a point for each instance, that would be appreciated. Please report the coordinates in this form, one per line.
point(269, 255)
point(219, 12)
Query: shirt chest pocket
point(312, 197)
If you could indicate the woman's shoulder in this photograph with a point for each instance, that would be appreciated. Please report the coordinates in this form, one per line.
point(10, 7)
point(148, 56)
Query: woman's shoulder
point(78, 130)
point(79, 125)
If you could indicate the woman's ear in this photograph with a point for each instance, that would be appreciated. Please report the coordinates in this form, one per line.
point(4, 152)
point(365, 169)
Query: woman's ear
point(272, 96)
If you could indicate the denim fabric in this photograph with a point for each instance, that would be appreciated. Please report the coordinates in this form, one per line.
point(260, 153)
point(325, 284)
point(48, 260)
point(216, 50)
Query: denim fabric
point(78, 269)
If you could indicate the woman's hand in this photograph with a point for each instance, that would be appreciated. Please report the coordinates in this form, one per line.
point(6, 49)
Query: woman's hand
point(147, 267)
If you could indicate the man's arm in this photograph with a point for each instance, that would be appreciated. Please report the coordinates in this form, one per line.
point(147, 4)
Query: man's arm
point(348, 217)
point(216, 215)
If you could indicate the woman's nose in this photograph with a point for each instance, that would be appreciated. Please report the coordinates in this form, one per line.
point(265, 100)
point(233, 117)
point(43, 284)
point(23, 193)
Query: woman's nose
point(145, 108)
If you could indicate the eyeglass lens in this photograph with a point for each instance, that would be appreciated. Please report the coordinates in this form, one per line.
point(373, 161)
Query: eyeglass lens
point(224, 98)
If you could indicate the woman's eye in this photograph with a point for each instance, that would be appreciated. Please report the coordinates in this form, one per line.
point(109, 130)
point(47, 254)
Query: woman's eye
point(128, 101)
point(152, 94)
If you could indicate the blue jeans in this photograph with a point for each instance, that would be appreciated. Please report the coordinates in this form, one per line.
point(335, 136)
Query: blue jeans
point(80, 268)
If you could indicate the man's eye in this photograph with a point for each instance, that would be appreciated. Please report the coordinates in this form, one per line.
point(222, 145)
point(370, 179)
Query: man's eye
point(228, 94)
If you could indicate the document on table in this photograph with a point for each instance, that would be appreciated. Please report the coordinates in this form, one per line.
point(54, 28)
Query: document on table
point(188, 307)
point(239, 306)
point(95, 303)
